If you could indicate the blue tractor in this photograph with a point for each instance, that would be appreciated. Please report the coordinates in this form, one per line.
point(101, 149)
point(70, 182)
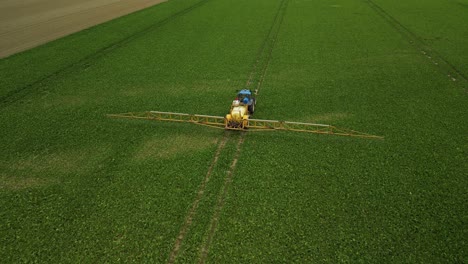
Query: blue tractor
point(245, 97)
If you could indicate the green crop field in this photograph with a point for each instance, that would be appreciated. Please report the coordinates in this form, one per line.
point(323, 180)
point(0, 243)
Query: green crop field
point(77, 186)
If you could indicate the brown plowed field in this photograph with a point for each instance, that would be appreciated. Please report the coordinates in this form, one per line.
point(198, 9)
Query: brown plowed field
point(28, 23)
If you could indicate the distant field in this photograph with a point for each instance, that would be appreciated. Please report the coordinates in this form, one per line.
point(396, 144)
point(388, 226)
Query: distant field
point(76, 186)
point(29, 23)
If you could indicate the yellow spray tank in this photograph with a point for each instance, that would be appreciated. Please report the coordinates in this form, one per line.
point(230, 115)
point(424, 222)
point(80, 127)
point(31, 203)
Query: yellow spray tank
point(238, 116)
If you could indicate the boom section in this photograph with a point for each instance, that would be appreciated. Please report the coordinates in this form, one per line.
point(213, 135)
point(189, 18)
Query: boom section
point(252, 124)
point(261, 125)
point(208, 120)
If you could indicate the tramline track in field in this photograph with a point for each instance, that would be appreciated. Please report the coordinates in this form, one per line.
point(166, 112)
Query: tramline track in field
point(21, 92)
point(261, 62)
point(263, 57)
point(418, 43)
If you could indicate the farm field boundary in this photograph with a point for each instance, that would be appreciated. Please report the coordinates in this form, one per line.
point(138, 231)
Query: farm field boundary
point(19, 93)
point(434, 57)
point(26, 24)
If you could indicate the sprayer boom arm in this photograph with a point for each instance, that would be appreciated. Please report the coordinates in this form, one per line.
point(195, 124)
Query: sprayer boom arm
point(252, 124)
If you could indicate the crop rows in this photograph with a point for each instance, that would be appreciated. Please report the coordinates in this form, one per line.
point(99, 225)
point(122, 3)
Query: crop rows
point(78, 187)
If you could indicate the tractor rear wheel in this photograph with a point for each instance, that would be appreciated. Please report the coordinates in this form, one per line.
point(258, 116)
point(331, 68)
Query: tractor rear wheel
point(251, 108)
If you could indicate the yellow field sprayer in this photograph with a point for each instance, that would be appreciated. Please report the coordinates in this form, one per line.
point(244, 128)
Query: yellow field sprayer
point(239, 118)
point(241, 109)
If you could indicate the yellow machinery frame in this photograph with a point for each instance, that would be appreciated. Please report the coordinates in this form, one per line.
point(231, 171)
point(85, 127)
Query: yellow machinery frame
point(252, 124)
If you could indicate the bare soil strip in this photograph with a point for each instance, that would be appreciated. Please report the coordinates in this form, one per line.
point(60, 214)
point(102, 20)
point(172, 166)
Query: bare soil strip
point(201, 190)
point(29, 23)
point(221, 200)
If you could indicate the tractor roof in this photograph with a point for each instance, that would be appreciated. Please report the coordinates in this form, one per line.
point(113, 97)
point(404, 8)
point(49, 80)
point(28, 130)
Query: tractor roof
point(245, 91)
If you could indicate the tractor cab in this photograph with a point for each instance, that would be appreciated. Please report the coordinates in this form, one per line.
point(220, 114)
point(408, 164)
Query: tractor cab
point(245, 97)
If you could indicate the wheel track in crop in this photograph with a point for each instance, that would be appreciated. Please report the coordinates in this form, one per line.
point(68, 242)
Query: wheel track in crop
point(442, 64)
point(221, 201)
point(269, 54)
point(20, 93)
point(201, 191)
point(269, 39)
point(263, 60)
